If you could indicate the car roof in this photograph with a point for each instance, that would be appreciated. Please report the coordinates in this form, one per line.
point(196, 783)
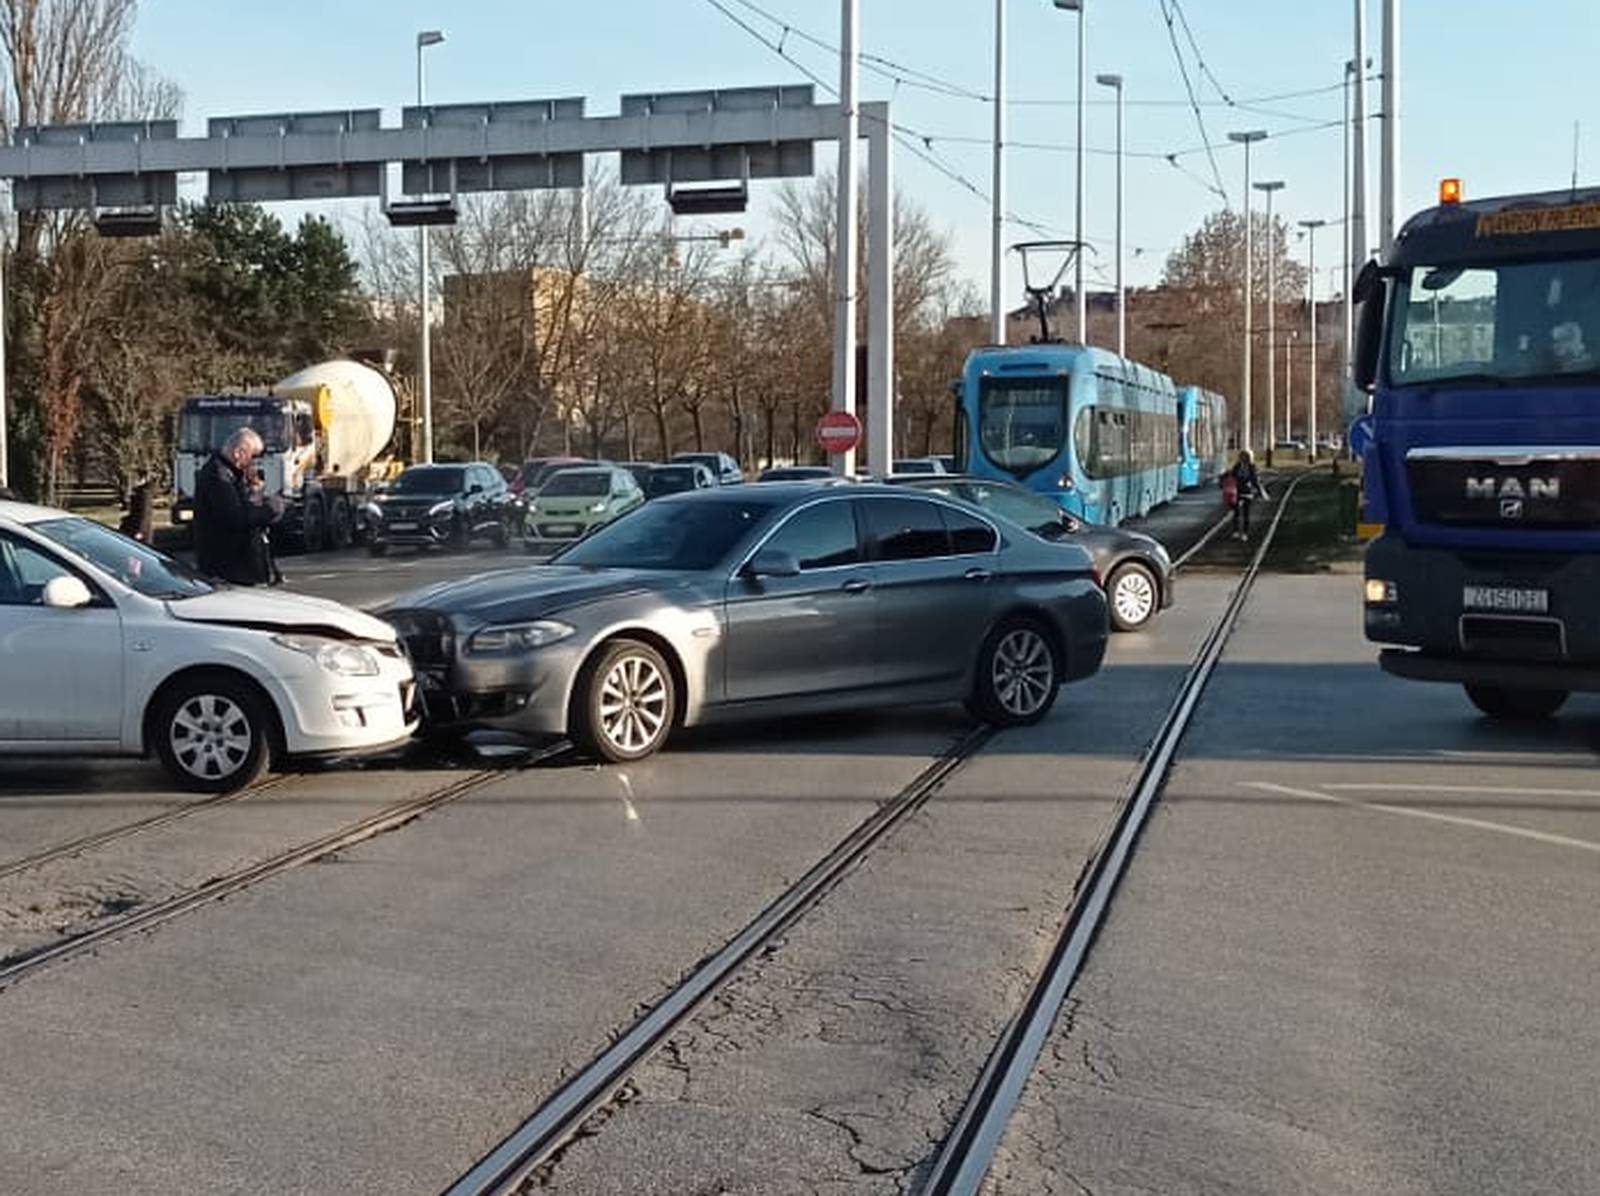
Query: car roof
point(25, 512)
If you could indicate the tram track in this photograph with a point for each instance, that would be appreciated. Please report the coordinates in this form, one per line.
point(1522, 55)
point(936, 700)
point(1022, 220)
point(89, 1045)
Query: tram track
point(559, 1119)
point(970, 1147)
point(391, 817)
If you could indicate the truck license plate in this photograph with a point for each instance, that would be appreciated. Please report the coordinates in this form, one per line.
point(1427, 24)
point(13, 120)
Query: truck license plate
point(1506, 598)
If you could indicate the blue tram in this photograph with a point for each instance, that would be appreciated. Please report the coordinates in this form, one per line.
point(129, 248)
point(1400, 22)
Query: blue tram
point(1203, 440)
point(1095, 431)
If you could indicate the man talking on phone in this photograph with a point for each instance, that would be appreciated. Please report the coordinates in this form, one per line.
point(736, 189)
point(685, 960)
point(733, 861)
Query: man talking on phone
point(228, 524)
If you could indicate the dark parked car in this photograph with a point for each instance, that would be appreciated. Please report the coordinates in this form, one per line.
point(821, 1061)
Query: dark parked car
point(914, 465)
point(676, 479)
point(537, 471)
point(795, 473)
point(640, 470)
point(448, 505)
point(769, 600)
point(1135, 568)
point(723, 467)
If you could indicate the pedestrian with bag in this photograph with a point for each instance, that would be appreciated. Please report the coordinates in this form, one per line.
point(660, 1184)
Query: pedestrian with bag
point(1241, 487)
point(230, 523)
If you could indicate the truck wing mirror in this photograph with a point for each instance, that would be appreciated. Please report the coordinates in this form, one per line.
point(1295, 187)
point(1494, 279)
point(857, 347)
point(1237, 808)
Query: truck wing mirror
point(1371, 291)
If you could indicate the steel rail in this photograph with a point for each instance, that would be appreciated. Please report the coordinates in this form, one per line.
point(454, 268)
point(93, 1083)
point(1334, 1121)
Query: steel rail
point(561, 1115)
point(111, 834)
point(969, 1149)
point(389, 818)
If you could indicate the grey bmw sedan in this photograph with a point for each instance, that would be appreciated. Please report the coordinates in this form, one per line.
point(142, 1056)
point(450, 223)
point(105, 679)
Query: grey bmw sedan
point(782, 599)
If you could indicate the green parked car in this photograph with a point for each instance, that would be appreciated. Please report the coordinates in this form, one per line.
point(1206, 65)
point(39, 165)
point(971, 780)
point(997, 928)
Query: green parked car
point(575, 502)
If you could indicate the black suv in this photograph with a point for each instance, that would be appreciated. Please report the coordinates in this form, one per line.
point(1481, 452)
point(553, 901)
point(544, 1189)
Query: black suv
point(447, 505)
point(723, 468)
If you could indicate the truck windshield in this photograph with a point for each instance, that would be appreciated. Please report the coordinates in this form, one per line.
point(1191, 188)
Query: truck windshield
point(1022, 422)
point(1497, 322)
point(203, 429)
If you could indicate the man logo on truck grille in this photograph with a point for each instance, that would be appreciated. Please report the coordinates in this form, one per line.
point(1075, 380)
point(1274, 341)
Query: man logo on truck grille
point(1492, 487)
point(1511, 508)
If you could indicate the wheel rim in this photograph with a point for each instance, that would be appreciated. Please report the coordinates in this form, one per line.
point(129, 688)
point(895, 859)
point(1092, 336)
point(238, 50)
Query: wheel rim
point(1023, 672)
point(633, 704)
point(211, 737)
point(1134, 596)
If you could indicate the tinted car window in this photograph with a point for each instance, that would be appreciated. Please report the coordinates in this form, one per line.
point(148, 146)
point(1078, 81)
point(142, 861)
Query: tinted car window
point(430, 479)
point(968, 533)
point(586, 485)
point(905, 529)
point(695, 533)
point(820, 537)
point(670, 479)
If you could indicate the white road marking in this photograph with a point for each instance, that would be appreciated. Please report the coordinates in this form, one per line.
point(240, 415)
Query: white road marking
point(1430, 815)
point(1506, 790)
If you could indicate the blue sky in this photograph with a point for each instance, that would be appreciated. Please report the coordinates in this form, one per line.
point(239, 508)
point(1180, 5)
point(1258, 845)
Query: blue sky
point(1502, 121)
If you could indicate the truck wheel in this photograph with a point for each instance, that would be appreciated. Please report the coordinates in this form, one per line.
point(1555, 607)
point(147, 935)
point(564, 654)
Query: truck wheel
point(341, 523)
point(1521, 705)
point(312, 521)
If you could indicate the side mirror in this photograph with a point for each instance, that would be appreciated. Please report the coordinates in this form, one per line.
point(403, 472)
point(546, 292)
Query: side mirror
point(66, 593)
point(770, 562)
point(1371, 290)
point(1071, 522)
point(475, 488)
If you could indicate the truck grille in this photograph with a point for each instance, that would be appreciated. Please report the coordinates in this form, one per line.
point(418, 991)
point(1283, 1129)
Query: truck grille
point(1484, 493)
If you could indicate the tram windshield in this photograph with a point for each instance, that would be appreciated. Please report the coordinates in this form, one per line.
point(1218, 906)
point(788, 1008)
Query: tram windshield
point(1022, 422)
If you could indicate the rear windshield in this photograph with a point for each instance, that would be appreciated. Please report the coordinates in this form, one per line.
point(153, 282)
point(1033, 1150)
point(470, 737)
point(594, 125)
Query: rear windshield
point(578, 484)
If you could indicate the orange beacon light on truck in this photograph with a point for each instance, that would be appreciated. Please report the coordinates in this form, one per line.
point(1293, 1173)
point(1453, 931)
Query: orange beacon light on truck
point(1449, 191)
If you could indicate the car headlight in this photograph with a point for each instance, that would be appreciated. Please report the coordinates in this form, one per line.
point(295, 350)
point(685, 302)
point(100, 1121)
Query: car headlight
point(511, 638)
point(598, 508)
point(441, 508)
point(337, 656)
point(372, 510)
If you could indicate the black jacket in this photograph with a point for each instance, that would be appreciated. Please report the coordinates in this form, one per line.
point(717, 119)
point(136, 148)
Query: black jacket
point(228, 527)
point(1245, 477)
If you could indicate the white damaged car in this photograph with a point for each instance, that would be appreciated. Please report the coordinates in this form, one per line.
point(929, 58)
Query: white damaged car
point(108, 647)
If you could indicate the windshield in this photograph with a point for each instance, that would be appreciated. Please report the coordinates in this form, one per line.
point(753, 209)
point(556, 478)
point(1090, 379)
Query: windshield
point(141, 568)
point(1519, 320)
point(578, 484)
point(669, 481)
point(695, 533)
point(428, 479)
point(204, 429)
point(1022, 422)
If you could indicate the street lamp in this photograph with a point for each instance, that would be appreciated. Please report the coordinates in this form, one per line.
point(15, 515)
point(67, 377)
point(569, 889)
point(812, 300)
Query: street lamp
point(1247, 140)
point(428, 37)
point(997, 215)
point(1272, 322)
point(1115, 82)
point(1077, 232)
point(1311, 227)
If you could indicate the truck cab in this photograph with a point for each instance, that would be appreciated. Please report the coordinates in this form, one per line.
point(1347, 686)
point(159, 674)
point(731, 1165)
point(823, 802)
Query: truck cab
point(1479, 340)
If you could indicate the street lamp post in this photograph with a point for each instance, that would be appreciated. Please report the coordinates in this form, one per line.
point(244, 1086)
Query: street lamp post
point(1311, 227)
point(1115, 82)
point(428, 37)
point(1246, 139)
point(997, 249)
point(1272, 321)
point(1077, 230)
point(1288, 383)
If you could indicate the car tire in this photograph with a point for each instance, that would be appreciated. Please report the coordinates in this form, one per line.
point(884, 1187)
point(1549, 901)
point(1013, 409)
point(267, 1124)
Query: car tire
point(212, 733)
point(1516, 705)
point(624, 702)
point(1017, 675)
point(460, 538)
point(1133, 596)
point(377, 548)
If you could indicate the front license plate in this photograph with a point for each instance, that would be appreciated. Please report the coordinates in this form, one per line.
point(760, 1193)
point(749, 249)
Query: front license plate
point(562, 529)
point(402, 527)
point(1506, 598)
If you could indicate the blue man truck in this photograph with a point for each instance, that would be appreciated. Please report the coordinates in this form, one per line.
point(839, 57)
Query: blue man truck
point(1479, 343)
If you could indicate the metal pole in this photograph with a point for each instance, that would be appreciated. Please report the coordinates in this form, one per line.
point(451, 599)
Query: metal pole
point(1311, 227)
point(1122, 291)
point(1082, 297)
point(880, 292)
point(845, 254)
point(1288, 384)
point(425, 340)
point(1246, 139)
point(1272, 327)
point(1349, 242)
point(997, 249)
point(1388, 199)
point(1358, 207)
point(5, 477)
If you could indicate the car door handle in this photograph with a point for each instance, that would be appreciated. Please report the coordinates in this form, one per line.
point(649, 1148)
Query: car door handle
point(856, 585)
point(978, 575)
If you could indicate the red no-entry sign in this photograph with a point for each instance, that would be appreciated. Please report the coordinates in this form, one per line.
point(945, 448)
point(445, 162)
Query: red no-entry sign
point(838, 432)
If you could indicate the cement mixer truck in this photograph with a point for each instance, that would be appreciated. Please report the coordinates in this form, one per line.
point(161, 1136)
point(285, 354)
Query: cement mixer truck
point(325, 427)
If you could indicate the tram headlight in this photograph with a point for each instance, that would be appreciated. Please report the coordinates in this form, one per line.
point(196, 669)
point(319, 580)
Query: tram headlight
point(1064, 482)
point(1382, 593)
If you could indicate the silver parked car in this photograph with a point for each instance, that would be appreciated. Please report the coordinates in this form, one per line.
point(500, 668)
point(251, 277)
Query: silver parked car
point(779, 599)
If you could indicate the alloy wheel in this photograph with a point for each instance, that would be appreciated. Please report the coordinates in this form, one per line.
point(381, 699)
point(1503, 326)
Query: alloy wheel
point(1023, 672)
point(635, 704)
point(1134, 597)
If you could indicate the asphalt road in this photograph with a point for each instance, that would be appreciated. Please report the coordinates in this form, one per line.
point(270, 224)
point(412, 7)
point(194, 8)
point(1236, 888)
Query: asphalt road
point(1354, 952)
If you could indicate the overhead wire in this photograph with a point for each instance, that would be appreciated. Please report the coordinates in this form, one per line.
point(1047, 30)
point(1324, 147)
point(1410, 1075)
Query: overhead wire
point(1194, 102)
